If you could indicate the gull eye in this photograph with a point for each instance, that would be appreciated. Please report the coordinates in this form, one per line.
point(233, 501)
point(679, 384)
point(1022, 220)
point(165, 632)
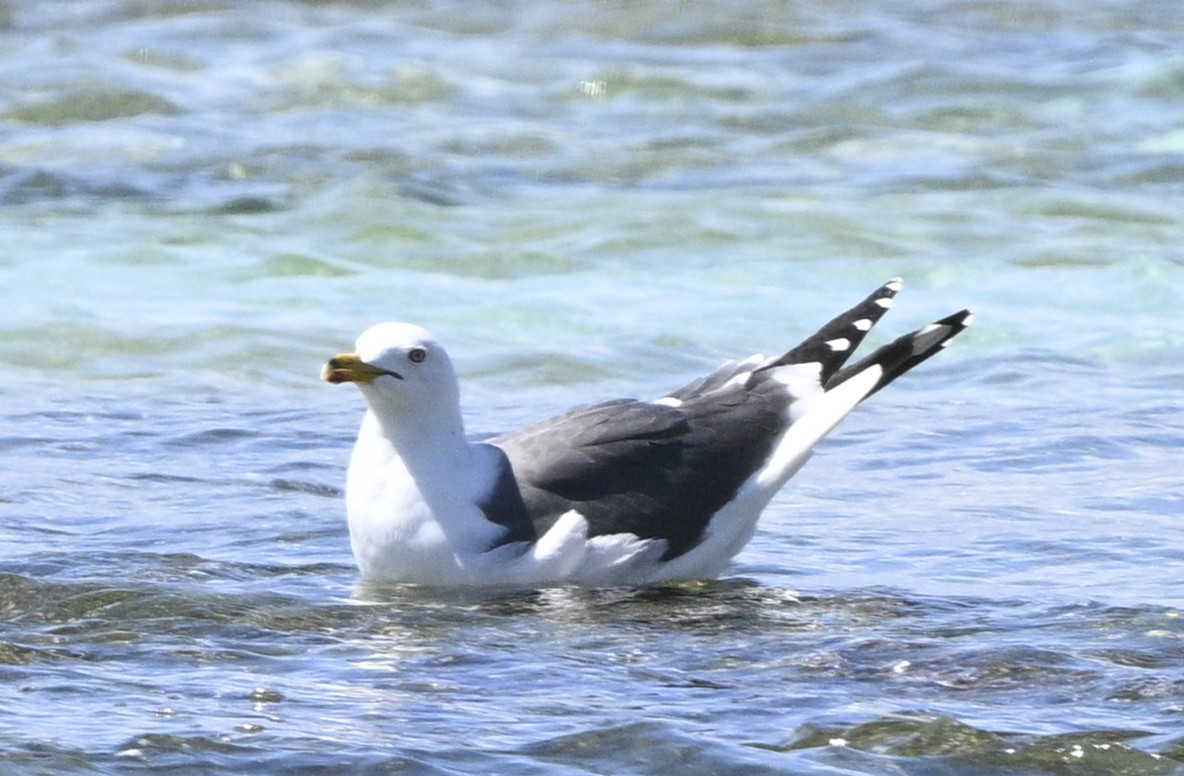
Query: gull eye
point(417, 355)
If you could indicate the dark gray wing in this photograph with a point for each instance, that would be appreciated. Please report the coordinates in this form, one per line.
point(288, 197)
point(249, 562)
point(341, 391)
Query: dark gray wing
point(662, 470)
point(651, 470)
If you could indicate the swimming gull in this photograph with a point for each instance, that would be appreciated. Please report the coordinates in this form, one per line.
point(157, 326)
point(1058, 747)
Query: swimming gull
point(621, 492)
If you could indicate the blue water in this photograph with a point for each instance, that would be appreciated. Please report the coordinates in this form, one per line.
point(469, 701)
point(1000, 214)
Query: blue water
point(199, 202)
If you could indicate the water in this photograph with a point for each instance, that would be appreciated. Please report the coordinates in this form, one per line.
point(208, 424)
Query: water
point(201, 201)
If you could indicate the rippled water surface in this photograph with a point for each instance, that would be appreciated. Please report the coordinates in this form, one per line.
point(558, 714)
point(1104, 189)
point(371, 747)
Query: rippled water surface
point(200, 201)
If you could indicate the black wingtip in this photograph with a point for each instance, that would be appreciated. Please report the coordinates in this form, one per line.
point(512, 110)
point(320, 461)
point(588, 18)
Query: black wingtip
point(834, 343)
point(906, 351)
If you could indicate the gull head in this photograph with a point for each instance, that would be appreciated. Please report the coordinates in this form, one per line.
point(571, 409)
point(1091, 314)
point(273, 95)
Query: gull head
point(397, 365)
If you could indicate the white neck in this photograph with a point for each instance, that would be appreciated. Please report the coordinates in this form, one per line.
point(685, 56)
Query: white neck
point(413, 493)
point(432, 445)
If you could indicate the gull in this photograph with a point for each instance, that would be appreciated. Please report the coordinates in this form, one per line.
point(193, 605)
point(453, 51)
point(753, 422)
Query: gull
point(623, 492)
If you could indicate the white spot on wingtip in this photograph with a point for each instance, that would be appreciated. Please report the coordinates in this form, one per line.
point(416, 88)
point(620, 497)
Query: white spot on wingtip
point(839, 345)
point(894, 285)
point(668, 401)
point(885, 302)
point(969, 319)
point(863, 324)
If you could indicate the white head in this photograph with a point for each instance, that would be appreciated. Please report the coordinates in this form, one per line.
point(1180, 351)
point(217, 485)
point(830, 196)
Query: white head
point(403, 372)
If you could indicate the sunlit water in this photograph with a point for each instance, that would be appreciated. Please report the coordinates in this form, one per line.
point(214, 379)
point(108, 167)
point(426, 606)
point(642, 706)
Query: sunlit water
point(199, 202)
